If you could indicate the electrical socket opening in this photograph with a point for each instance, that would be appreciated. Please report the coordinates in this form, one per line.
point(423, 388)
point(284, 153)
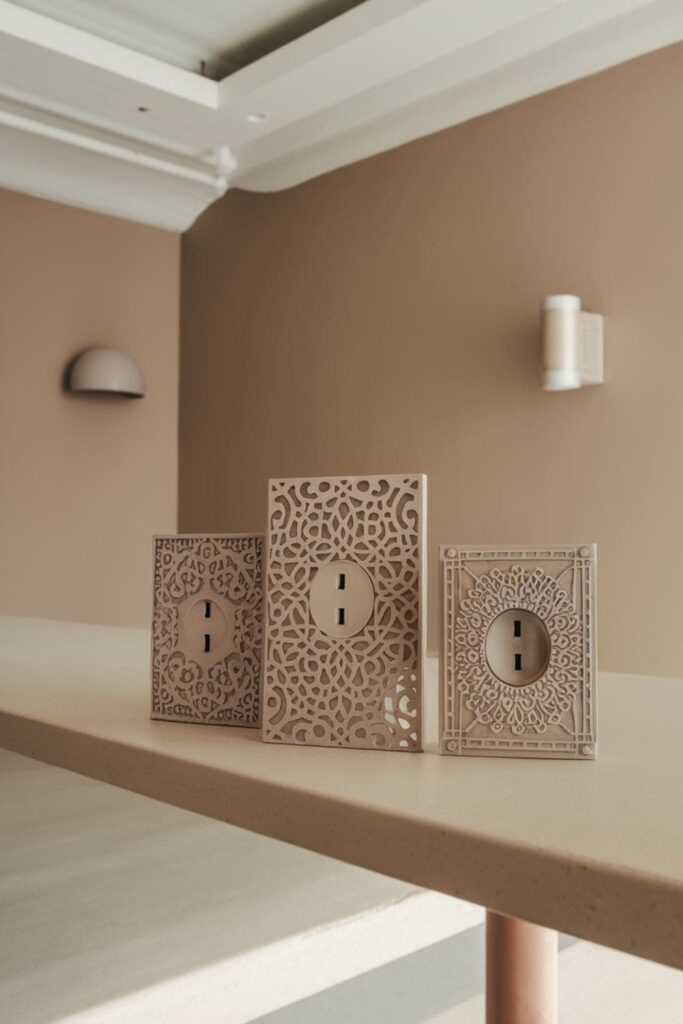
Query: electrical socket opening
point(517, 647)
point(336, 615)
point(207, 622)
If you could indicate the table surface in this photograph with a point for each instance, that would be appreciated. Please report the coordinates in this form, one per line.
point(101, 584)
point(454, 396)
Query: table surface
point(591, 848)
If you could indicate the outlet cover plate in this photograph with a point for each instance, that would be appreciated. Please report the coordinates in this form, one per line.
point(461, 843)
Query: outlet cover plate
point(361, 690)
point(207, 586)
point(550, 646)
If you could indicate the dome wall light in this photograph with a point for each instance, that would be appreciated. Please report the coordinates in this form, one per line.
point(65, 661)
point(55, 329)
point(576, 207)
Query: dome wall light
point(572, 354)
point(106, 371)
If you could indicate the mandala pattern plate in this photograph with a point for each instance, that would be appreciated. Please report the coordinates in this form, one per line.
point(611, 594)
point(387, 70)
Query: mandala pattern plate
point(207, 628)
point(362, 690)
point(518, 665)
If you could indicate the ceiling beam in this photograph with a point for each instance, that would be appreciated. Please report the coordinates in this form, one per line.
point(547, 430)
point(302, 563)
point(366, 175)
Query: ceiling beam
point(381, 74)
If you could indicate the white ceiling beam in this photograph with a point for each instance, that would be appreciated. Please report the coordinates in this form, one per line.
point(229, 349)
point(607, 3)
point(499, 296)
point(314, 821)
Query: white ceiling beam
point(376, 43)
point(384, 73)
point(55, 170)
point(218, 180)
point(578, 39)
point(59, 69)
point(53, 36)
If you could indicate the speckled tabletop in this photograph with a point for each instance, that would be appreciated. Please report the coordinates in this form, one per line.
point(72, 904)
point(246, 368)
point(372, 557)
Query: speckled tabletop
point(594, 849)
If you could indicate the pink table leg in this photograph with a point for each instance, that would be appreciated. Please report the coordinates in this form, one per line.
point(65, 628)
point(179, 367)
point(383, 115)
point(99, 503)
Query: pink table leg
point(521, 972)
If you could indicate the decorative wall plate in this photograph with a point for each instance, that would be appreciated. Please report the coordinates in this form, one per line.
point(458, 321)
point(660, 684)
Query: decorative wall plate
point(207, 628)
point(344, 612)
point(518, 667)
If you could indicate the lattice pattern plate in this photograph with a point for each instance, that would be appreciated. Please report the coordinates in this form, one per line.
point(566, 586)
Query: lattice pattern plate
point(207, 628)
point(519, 651)
point(351, 681)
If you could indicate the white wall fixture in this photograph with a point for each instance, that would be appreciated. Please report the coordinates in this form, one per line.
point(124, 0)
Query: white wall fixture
point(572, 353)
point(103, 370)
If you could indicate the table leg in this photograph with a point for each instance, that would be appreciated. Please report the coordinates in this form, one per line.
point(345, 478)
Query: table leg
point(521, 972)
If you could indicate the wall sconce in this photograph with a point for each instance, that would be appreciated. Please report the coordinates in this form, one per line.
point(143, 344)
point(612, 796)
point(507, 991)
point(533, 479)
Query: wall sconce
point(103, 370)
point(572, 344)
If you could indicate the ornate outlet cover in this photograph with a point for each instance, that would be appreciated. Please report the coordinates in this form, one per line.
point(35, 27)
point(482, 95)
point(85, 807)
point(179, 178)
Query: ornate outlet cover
point(519, 651)
point(345, 612)
point(207, 628)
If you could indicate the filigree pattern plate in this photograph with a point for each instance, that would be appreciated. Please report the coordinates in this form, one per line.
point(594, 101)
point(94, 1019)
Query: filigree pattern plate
point(207, 628)
point(362, 690)
point(518, 667)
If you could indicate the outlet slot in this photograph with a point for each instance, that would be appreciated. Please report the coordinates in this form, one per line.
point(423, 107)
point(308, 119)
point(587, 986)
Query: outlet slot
point(341, 599)
point(207, 622)
point(517, 647)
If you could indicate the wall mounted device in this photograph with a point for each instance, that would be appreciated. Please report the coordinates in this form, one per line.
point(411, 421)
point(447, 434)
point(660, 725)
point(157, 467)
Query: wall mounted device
point(207, 628)
point(345, 609)
point(518, 667)
point(572, 353)
point(106, 371)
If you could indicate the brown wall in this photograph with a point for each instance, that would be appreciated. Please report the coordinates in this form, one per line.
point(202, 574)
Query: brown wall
point(384, 319)
point(84, 482)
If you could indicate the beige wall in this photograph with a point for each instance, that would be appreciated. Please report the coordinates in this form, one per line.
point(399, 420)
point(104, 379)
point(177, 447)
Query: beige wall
point(384, 319)
point(84, 483)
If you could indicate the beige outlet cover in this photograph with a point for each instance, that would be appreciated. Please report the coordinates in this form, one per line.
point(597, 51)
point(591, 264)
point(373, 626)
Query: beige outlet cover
point(344, 612)
point(519, 651)
point(207, 628)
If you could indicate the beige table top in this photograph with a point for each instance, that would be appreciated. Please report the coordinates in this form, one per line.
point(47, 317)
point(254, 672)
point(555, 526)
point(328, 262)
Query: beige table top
point(591, 848)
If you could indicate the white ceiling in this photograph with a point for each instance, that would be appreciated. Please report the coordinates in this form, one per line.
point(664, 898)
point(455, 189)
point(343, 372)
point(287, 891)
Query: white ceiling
point(213, 37)
point(101, 104)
